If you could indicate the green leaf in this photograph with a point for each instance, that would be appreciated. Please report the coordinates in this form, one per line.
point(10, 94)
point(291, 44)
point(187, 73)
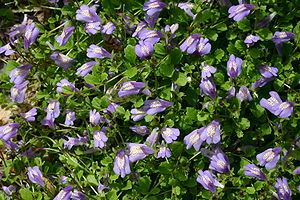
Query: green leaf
point(255, 53)
point(244, 124)
point(130, 54)
point(175, 56)
point(91, 79)
point(120, 110)
point(129, 73)
point(160, 49)
point(96, 102)
point(250, 190)
point(144, 184)
point(181, 80)
point(4, 73)
point(106, 161)
point(219, 78)
point(211, 34)
point(128, 185)
point(219, 53)
point(68, 10)
point(26, 194)
point(240, 45)
point(166, 68)
point(221, 27)
point(239, 134)
point(92, 179)
point(112, 194)
point(244, 25)
point(204, 15)
point(265, 34)
point(176, 190)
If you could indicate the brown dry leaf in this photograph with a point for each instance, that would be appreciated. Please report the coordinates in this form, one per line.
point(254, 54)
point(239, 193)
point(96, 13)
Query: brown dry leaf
point(4, 116)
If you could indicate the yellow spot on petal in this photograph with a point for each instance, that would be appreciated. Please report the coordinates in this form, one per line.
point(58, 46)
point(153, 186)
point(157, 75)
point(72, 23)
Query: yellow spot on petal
point(269, 156)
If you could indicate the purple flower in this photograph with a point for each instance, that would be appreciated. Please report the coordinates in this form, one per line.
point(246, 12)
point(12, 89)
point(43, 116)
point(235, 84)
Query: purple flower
point(220, 163)
point(111, 108)
point(101, 187)
point(99, 139)
point(75, 141)
point(18, 74)
point(6, 49)
point(18, 92)
point(267, 71)
point(138, 151)
point(240, 11)
point(94, 117)
point(269, 158)
point(261, 82)
point(151, 19)
point(211, 134)
point(203, 47)
point(17, 31)
point(153, 7)
point(187, 7)
point(121, 164)
point(141, 26)
point(130, 88)
point(194, 139)
point(207, 70)
point(164, 152)
point(266, 21)
point(48, 122)
point(30, 115)
point(62, 60)
point(254, 171)
point(95, 51)
point(271, 102)
point(137, 114)
point(87, 14)
point(297, 171)
point(231, 93)
point(234, 66)
point(156, 106)
point(65, 83)
point(65, 193)
point(280, 37)
point(208, 180)
point(108, 28)
point(208, 87)
point(284, 110)
point(64, 37)
point(35, 175)
point(190, 44)
point(9, 190)
point(170, 134)
point(283, 190)
point(144, 49)
point(70, 118)
point(92, 27)
point(142, 130)
point(150, 36)
point(9, 131)
point(30, 35)
point(52, 110)
point(244, 94)
point(173, 28)
point(251, 39)
point(86, 68)
point(153, 137)
point(78, 195)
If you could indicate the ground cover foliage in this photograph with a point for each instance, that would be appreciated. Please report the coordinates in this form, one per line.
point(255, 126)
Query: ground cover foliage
point(118, 99)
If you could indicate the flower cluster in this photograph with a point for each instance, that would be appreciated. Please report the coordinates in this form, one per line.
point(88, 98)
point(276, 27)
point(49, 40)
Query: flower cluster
point(103, 114)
